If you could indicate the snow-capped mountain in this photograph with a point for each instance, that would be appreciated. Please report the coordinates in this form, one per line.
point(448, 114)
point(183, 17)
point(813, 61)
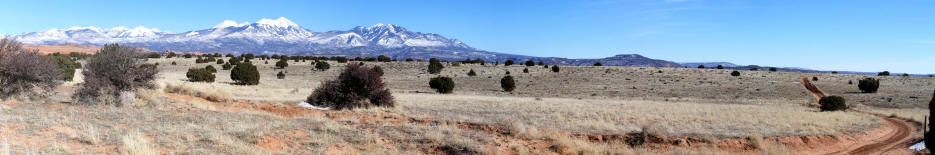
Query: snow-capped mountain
point(232, 37)
point(282, 36)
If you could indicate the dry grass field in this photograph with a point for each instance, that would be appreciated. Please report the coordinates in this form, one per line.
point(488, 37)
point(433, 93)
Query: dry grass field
point(545, 115)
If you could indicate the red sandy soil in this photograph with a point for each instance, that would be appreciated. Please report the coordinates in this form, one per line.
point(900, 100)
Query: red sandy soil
point(63, 48)
point(890, 138)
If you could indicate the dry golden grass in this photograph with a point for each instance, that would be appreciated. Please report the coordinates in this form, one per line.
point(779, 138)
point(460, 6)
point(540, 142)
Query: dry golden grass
point(136, 144)
point(546, 106)
point(603, 116)
point(187, 88)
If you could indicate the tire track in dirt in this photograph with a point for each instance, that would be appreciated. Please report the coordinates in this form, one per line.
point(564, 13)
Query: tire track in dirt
point(899, 133)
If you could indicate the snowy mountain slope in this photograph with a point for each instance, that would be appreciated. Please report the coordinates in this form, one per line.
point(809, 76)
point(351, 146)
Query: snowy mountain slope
point(282, 36)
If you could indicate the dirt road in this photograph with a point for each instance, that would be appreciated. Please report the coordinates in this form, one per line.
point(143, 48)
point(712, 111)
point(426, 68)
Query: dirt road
point(897, 131)
point(812, 88)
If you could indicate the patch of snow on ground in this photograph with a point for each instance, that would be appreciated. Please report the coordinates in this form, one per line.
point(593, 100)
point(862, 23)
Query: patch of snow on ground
point(310, 106)
point(918, 147)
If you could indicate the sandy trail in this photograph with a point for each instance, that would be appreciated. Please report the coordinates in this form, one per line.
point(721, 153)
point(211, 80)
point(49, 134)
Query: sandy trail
point(898, 131)
point(812, 88)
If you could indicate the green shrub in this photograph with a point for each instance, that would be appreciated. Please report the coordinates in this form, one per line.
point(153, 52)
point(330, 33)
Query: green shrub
point(378, 70)
point(508, 62)
point(773, 69)
point(507, 83)
point(598, 64)
point(530, 63)
point(540, 63)
point(472, 73)
point(245, 74)
point(173, 63)
point(720, 67)
point(408, 59)
point(282, 63)
point(66, 65)
point(220, 61)
point(884, 73)
point(814, 78)
point(211, 69)
point(356, 87)
point(555, 68)
point(153, 55)
point(199, 75)
point(280, 75)
point(525, 70)
point(700, 66)
point(187, 55)
point(442, 84)
point(832, 103)
point(868, 85)
point(322, 66)
point(226, 66)
point(383, 58)
point(735, 73)
point(435, 66)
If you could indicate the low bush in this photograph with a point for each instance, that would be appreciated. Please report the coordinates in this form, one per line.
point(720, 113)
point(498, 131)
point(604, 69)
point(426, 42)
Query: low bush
point(735, 73)
point(220, 61)
point(282, 63)
point(701, 66)
point(442, 84)
point(383, 58)
point(211, 69)
point(245, 74)
point(720, 67)
point(113, 74)
point(378, 70)
point(472, 73)
point(507, 83)
point(322, 66)
point(525, 70)
point(23, 70)
point(435, 66)
point(280, 75)
point(814, 78)
point(832, 103)
point(226, 66)
point(508, 62)
point(66, 65)
point(868, 85)
point(884, 73)
point(530, 63)
point(355, 87)
point(199, 75)
point(555, 68)
point(598, 64)
point(773, 69)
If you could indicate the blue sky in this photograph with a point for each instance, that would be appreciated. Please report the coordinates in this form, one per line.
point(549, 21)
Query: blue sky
point(898, 36)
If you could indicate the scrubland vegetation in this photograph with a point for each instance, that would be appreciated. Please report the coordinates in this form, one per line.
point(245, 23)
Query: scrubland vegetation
point(387, 105)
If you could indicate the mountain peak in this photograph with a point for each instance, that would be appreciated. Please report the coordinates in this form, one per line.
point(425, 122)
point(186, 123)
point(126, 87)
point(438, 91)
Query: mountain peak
point(280, 22)
point(229, 23)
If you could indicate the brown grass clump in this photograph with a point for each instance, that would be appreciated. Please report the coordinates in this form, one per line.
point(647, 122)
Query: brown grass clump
point(136, 144)
point(211, 95)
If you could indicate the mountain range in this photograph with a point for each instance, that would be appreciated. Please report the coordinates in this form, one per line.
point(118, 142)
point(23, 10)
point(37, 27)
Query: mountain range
point(282, 36)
